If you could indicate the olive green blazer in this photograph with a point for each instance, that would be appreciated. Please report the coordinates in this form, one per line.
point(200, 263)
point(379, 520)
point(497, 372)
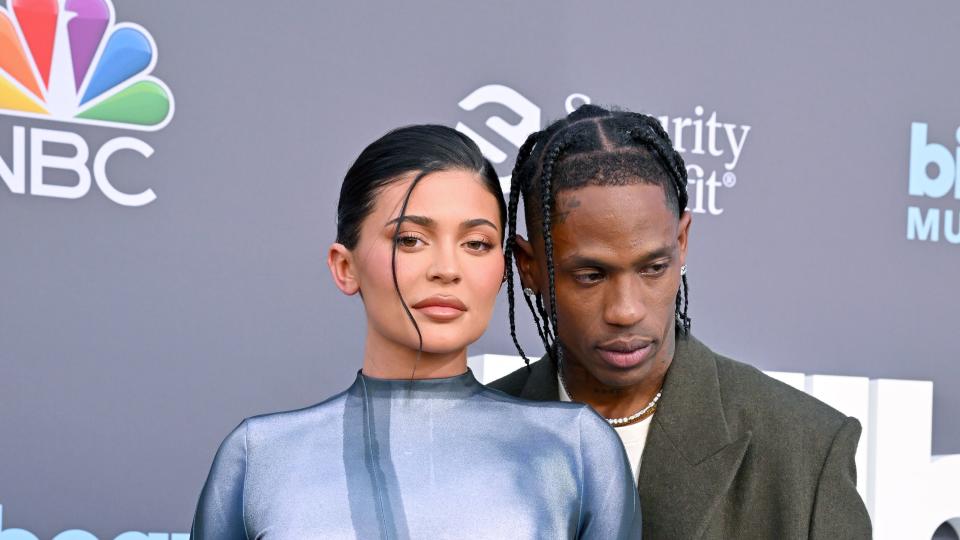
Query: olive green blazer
point(733, 453)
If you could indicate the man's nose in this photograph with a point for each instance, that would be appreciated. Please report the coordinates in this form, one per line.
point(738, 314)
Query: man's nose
point(624, 304)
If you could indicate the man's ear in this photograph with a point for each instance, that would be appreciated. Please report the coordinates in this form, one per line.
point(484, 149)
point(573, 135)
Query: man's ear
point(683, 233)
point(343, 269)
point(527, 264)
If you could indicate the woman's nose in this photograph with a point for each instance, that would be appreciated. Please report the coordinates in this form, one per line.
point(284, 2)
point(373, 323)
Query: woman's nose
point(444, 267)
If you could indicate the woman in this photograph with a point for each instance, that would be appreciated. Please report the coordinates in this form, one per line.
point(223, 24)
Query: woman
point(416, 447)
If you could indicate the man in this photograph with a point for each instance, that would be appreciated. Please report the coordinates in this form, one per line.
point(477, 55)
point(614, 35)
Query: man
point(720, 450)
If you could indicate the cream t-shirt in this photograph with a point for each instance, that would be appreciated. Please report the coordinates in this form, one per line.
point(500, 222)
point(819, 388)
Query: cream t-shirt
point(633, 437)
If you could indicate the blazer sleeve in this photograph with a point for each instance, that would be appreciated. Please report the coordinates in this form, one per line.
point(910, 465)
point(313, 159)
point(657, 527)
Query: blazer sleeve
point(838, 510)
point(609, 508)
point(220, 509)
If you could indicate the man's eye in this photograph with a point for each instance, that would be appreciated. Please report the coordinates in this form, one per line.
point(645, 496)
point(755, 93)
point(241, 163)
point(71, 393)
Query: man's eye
point(588, 277)
point(655, 269)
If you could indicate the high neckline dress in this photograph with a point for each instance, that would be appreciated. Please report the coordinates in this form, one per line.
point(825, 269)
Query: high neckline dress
point(421, 459)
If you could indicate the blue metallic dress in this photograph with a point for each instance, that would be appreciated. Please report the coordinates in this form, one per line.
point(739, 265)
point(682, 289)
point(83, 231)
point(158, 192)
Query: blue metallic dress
point(430, 459)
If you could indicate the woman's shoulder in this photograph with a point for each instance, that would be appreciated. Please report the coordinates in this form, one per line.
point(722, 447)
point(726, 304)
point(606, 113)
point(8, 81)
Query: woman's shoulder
point(284, 425)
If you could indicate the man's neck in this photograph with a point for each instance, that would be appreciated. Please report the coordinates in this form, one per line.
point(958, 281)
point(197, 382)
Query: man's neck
point(616, 401)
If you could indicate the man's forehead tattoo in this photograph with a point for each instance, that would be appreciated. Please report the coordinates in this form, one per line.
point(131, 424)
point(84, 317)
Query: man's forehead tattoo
point(569, 203)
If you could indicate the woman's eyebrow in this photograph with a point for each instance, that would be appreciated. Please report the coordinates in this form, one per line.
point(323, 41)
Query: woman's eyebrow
point(423, 221)
point(471, 223)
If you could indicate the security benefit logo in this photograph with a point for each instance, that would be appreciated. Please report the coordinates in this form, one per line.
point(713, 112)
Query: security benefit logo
point(935, 180)
point(711, 148)
point(68, 61)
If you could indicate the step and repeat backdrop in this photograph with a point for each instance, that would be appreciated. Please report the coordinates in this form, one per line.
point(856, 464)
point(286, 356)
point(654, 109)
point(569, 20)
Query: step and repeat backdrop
point(168, 181)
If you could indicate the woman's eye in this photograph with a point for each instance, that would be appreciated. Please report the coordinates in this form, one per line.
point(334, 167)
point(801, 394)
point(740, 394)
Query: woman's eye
point(478, 245)
point(409, 241)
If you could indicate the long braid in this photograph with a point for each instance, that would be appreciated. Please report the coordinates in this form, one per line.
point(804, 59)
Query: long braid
point(542, 310)
point(517, 189)
point(540, 320)
point(539, 313)
point(515, 192)
point(546, 194)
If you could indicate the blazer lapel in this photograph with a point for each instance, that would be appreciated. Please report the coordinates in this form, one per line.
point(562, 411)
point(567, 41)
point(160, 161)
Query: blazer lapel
point(689, 460)
point(542, 382)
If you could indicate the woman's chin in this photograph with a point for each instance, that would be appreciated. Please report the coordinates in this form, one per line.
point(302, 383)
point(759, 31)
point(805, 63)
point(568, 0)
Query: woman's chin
point(445, 347)
point(442, 352)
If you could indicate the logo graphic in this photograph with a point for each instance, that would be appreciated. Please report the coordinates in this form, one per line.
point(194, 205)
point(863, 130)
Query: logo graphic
point(77, 534)
point(934, 175)
point(716, 145)
point(67, 60)
point(515, 133)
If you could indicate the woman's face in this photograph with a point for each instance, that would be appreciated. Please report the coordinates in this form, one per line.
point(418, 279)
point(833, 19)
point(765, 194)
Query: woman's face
point(449, 261)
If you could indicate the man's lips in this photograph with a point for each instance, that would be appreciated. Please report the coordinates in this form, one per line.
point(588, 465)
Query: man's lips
point(441, 307)
point(625, 353)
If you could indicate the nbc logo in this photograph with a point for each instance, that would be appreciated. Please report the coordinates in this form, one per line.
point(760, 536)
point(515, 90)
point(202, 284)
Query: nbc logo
point(69, 61)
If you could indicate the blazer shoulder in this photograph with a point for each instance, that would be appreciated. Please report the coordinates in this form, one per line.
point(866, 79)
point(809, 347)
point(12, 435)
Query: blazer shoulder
point(514, 382)
point(753, 398)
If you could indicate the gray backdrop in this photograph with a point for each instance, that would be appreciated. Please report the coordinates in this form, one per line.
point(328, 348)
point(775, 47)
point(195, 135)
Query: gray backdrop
point(133, 339)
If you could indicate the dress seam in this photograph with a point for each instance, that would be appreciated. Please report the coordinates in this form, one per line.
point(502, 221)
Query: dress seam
point(369, 444)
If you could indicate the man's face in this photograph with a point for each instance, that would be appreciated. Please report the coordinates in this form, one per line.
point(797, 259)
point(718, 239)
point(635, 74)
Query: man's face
point(617, 255)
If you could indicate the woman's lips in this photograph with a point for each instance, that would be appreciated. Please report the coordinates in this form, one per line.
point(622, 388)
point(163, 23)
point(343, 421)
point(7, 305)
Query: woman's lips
point(625, 357)
point(441, 308)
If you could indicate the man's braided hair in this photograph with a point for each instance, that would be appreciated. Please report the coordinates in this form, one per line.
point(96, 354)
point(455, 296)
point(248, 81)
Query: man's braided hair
point(591, 146)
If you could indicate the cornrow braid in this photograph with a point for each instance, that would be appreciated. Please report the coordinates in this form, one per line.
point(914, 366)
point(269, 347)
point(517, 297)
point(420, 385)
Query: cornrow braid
point(591, 146)
point(658, 140)
point(668, 158)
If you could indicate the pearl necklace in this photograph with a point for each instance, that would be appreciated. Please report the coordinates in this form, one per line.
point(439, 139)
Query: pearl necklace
point(623, 420)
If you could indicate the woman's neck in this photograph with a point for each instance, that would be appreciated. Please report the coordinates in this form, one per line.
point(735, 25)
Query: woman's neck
point(386, 359)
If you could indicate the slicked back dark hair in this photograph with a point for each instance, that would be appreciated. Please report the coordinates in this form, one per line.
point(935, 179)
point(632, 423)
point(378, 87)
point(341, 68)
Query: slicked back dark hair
point(591, 146)
point(418, 150)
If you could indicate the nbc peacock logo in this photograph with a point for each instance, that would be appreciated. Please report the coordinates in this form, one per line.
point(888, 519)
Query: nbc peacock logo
point(67, 60)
